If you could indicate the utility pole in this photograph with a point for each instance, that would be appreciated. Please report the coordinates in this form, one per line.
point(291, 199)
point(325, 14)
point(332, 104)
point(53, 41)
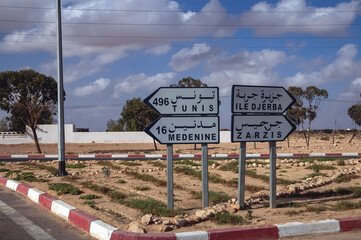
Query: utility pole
point(61, 141)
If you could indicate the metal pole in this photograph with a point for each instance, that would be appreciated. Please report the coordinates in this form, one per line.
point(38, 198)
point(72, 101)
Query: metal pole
point(241, 173)
point(272, 165)
point(170, 175)
point(205, 194)
point(61, 141)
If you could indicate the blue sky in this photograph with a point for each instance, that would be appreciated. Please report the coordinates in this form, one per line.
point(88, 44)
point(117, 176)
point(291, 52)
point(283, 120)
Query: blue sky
point(140, 45)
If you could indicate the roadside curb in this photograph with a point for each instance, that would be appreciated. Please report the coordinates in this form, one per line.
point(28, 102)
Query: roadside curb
point(175, 156)
point(104, 231)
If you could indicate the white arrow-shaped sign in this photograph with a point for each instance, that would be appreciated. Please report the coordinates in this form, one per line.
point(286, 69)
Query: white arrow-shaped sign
point(185, 130)
point(258, 99)
point(246, 128)
point(186, 101)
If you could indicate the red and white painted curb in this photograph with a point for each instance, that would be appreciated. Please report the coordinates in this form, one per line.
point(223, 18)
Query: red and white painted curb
point(156, 156)
point(103, 231)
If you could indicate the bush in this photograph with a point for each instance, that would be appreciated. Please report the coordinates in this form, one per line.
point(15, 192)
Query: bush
point(341, 162)
point(142, 188)
point(64, 188)
point(152, 206)
point(78, 165)
point(90, 197)
point(227, 218)
point(121, 181)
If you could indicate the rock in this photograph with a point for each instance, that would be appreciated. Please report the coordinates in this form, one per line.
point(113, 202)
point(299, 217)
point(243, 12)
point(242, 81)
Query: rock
point(164, 228)
point(134, 227)
point(180, 222)
point(195, 218)
point(254, 164)
point(147, 219)
point(202, 215)
point(167, 222)
point(214, 166)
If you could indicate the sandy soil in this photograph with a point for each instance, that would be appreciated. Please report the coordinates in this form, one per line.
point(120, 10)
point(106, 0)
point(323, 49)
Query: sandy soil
point(120, 215)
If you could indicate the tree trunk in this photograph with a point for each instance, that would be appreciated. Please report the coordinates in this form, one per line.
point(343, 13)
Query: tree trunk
point(155, 145)
point(353, 135)
point(36, 139)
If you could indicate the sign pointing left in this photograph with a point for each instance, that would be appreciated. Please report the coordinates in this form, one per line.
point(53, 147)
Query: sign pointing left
point(184, 101)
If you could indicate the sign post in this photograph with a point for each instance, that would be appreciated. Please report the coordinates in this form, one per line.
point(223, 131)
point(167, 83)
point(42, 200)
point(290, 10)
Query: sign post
point(257, 117)
point(241, 173)
point(188, 116)
point(170, 176)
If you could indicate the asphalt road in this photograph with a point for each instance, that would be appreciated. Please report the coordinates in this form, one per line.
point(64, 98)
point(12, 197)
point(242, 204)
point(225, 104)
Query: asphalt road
point(22, 219)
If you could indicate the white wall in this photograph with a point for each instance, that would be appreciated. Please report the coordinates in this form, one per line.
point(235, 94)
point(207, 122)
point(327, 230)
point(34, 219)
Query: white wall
point(48, 133)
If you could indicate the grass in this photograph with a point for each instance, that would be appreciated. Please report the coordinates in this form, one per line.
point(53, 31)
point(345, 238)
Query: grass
point(341, 162)
point(253, 188)
point(290, 204)
point(2, 164)
point(129, 163)
point(64, 188)
point(346, 205)
point(50, 169)
point(316, 209)
point(148, 178)
point(187, 162)
point(121, 181)
point(257, 162)
point(291, 213)
point(211, 177)
point(90, 197)
point(96, 188)
point(4, 170)
point(145, 188)
point(326, 159)
point(117, 196)
point(159, 164)
point(345, 178)
point(356, 191)
point(317, 167)
point(77, 165)
point(108, 164)
point(305, 159)
point(231, 166)
point(8, 174)
point(211, 162)
point(227, 218)
point(152, 206)
point(30, 177)
point(311, 175)
point(214, 197)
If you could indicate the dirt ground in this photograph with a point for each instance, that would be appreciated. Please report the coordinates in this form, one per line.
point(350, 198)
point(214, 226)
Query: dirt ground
point(310, 205)
point(320, 143)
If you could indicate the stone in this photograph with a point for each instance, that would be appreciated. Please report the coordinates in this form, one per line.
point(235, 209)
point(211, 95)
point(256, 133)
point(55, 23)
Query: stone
point(195, 218)
point(147, 219)
point(202, 215)
point(134, 227)
point(164, 228)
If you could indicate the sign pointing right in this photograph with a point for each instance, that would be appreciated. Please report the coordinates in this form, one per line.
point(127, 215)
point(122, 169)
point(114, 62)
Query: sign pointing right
point(259, 128)
point(259, 99)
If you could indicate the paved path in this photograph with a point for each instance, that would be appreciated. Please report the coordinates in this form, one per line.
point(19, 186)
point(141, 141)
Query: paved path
point(21, 219)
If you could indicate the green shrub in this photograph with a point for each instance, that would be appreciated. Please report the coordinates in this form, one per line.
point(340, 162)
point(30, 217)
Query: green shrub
point(50, 169)
point(341, 162)
point(2, 163)
point(129, 163)
point(152, 206)
point(345, 178)
point(316, 209)
point(121, 181)
point(148, 178)
point(8, 174)
point(187, 162)
point(145, 188)
point(90, 197)
point(4, 170)
point(214, 197)
point(64, 188)
point(159, 164)
point(317, 167)
point(106, 172)
point(290, 204)
point(95, 187)
point(346, 205)
point(77, 165)
point(227, 218)
point(117, 196)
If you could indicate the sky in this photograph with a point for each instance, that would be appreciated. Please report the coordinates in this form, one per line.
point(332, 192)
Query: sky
point(117, 50)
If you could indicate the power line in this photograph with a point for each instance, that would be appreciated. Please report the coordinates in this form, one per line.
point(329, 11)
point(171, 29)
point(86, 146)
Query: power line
point(182, 37)
point(93, 106)
point(178, 45)
point(187, 25)
point(180, 11)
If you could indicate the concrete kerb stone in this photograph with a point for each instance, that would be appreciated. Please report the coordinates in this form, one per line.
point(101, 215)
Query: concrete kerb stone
point(196, 235)
point(298, 229)
point(103, 231)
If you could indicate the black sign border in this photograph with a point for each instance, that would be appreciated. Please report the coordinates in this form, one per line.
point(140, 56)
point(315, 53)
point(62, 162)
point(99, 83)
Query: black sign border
point(146, 101)
point(263, 115)
point(147, 129)
point(232, 99)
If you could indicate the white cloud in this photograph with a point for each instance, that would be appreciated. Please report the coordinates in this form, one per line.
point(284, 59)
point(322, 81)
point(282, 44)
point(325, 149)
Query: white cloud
point(134, 82)
point(354, 90)
point(127, 30)
point(252, 68)
point(94, 87)
point(188, 58)
point(299, 17)
point(344, 66)
point(159, 50)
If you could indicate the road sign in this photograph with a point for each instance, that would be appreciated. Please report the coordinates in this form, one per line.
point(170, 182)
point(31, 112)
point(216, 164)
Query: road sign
point(257, 128)
point(185, 129)
point(258, 99)
point(184, 101)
